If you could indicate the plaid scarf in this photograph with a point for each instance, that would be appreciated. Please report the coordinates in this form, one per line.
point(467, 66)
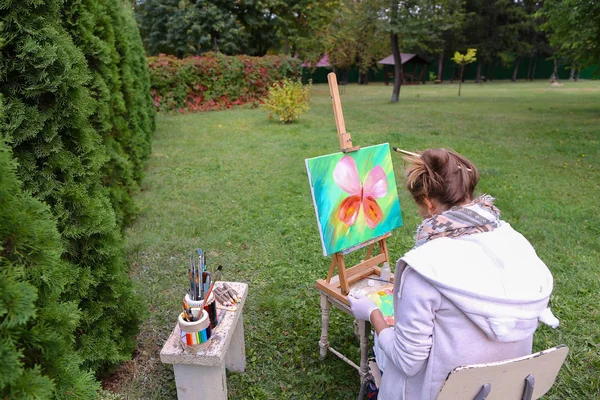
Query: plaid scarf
point(478, 216)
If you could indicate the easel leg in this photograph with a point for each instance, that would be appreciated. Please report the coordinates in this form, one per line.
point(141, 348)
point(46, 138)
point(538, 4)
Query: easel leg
point(364, 329)
point(370, 251)
point(324, 342)
point(384, 249)
point(344, 286)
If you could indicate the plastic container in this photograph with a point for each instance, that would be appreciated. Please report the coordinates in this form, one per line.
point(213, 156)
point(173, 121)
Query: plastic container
point(386, 272)
point(195, 335)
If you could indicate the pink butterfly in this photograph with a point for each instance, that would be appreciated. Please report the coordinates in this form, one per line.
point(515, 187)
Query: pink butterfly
point(362, 195)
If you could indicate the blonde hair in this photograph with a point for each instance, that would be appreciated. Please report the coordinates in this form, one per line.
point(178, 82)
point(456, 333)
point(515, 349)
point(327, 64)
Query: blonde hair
point(441, 174)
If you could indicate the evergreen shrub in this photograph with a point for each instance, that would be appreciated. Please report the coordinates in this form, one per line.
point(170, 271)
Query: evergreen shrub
point(288, 99)
point(37, 358)
point(215, 81)
point(57, 79)
point(123, 112)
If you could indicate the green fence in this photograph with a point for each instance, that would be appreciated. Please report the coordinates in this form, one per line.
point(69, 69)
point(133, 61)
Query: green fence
point(543, 70)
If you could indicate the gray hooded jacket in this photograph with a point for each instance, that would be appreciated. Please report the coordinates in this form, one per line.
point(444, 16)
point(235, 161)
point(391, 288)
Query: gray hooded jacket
point(472, 299)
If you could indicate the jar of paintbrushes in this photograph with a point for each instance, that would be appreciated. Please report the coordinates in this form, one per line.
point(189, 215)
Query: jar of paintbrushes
point(199, 316)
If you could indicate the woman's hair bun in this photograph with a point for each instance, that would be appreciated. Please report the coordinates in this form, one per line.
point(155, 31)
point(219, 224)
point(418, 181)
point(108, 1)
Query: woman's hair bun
point(443, 175)
point(436, 159)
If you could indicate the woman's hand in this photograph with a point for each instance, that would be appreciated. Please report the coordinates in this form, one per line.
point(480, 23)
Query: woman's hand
point(362, 307)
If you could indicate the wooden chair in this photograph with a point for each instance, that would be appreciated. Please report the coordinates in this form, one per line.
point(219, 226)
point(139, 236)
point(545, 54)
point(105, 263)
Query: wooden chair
point(523, 378)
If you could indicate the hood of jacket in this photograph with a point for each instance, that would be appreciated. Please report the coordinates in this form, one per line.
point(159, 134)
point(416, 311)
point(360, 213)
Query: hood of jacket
point(495, 278)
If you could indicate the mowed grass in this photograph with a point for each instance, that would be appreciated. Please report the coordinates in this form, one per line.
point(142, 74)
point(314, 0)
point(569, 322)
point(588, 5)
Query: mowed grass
point(234, 184)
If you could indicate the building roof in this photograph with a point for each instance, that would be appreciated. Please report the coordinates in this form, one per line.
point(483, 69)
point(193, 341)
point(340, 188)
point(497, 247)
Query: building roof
point(406, 58)
point(323, 62)
point(389, 60)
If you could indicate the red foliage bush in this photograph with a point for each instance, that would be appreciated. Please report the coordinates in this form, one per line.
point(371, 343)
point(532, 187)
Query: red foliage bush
point(215, 81)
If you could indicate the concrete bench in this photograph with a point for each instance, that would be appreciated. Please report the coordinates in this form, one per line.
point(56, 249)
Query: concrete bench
point(201, 375)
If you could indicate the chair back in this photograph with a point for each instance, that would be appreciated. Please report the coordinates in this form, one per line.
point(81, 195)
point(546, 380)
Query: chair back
point(523, 378)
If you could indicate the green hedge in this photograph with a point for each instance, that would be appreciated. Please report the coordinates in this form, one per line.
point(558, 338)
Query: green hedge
point(123, 113)
point(79, 120)
point(216, 81)
point(37, 357)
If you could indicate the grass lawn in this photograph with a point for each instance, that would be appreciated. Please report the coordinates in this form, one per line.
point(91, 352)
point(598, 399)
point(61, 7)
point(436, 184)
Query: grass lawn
point(234, 184)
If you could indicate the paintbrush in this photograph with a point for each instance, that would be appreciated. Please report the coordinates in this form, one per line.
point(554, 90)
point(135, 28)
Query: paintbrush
point(194, 282)
point(380, 280)
point(408, 153)
point(218, 273)
point(207, 295)
point(201, 260)
point(191, 279)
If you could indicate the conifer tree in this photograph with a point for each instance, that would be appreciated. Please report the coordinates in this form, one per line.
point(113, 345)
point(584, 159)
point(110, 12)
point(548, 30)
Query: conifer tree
point(37, 358)
point(123, 112)
point(49, 126)
point(139, 105)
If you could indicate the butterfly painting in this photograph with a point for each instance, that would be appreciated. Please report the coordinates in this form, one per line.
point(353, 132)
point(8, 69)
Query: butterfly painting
point(355, 196)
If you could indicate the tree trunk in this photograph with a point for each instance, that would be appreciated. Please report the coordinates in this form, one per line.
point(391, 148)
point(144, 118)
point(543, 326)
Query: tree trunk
point(215, 44)
point(286, 47)
point(397, 67)
point(555, 72)
point(462, 70)
point(516, 70)
point(534, 66)
point(478, 77)
point(572, 74)
point(363, 78)
point(440, 66)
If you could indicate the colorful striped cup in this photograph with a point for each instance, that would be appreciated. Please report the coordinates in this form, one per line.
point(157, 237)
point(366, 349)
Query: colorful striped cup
point(195, 334)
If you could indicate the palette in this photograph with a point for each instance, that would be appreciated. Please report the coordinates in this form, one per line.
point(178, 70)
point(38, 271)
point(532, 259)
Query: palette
point(384, 299)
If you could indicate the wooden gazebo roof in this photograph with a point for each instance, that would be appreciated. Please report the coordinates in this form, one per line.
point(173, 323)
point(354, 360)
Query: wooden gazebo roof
point(406, 59)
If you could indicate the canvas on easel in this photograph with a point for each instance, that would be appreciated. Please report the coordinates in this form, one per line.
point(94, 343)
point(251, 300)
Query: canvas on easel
point(355, 196)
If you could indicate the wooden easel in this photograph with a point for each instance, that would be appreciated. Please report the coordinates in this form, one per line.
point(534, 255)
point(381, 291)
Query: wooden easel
point(370, 265)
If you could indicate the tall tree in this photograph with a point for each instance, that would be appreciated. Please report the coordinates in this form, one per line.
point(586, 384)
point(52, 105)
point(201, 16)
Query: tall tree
point(153, 18)
point(451, 38)
point(302, 26)
point(356, 37)
point(213, 26)
point(418, 24)
point(259, 23)
point(190, 27)
point(394, 22)
point(573, 27)
point(493, 27)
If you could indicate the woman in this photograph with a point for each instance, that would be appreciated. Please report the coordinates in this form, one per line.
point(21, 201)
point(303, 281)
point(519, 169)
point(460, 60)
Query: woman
point(471, 290)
